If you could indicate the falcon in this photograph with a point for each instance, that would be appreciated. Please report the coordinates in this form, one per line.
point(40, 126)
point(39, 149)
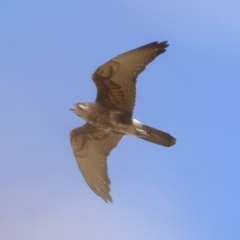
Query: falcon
point(110, 117)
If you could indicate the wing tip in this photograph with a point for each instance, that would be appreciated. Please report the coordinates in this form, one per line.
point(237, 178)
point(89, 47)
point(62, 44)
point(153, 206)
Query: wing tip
point(163, 44)
point(104, 193)
point(107, 198)
point(160, 47)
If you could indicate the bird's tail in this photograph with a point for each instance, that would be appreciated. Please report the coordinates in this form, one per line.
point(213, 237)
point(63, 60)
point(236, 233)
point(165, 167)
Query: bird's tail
point(154, 135)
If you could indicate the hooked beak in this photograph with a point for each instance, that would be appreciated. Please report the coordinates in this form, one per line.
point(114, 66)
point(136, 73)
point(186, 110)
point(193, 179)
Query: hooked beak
point(72, 108)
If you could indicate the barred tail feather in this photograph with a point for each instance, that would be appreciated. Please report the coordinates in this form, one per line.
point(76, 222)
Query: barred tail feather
point(155, 135)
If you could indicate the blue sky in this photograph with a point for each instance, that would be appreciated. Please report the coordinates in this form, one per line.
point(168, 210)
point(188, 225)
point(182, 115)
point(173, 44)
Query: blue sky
point(48, 52)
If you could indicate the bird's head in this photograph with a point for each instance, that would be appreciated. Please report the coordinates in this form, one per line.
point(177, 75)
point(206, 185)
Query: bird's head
point(81, 109)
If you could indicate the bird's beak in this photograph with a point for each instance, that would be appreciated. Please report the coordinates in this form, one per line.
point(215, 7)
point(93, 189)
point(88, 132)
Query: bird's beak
point(72, 108)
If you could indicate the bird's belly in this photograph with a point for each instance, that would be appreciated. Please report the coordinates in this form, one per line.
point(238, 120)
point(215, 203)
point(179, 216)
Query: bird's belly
point(108, 123)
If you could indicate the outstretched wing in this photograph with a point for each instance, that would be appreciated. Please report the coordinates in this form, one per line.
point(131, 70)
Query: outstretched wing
point(116, 79)
point(91, 146)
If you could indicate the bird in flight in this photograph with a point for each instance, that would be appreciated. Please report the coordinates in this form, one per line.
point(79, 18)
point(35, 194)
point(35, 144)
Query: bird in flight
point(110, 118)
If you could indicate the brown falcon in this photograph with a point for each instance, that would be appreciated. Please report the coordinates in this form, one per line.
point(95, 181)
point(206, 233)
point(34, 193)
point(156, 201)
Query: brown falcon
point(109, 118)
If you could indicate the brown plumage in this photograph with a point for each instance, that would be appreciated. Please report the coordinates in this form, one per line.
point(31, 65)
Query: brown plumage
point(109, 118)
point(116, 79)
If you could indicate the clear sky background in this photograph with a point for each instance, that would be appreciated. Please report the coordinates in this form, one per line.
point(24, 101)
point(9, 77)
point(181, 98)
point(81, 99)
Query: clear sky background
point(48, 52)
